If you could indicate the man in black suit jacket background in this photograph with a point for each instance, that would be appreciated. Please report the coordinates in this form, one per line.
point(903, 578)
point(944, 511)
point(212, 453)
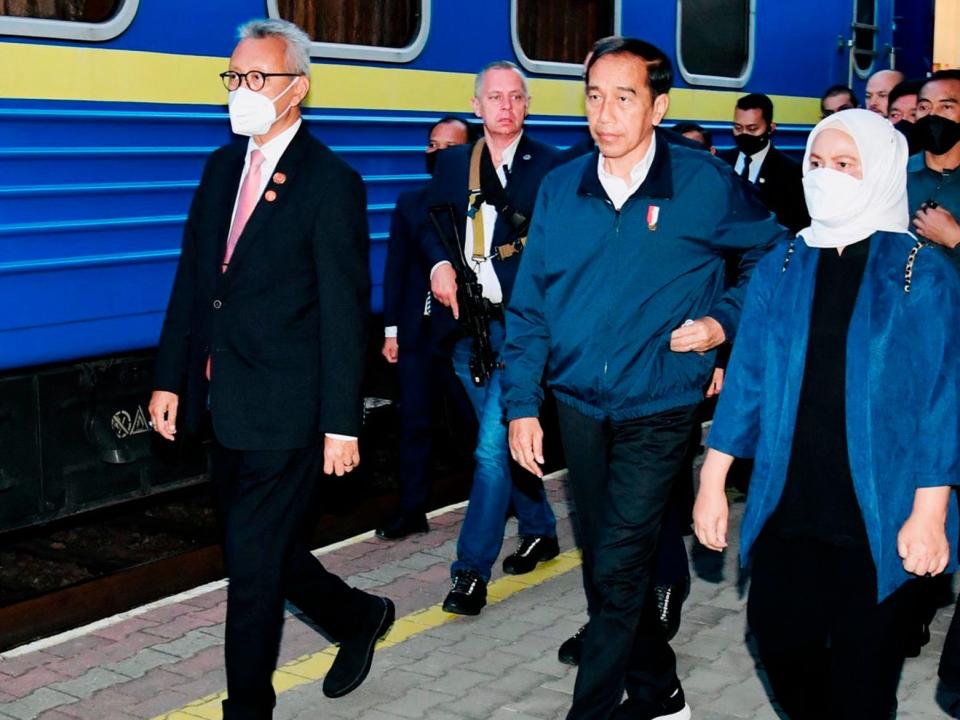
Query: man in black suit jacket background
point(266, 326)
point(776, 178)
point(510, 163)
point(406, 287)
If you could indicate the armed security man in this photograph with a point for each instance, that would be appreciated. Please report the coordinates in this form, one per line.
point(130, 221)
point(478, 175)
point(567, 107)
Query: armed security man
point(490, 188)
point(621, 300)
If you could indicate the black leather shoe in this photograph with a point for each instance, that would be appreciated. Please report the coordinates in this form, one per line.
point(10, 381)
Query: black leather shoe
point(355, 655)
point(669, 603)
point(672, 706)
point(403, 525)
point(570, 650)
point(531, 550)
point(468, 594)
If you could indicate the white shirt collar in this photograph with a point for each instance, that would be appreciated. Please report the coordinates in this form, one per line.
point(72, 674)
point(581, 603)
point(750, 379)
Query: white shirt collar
point(509, 151)
point(617, 189)
point(274, 148)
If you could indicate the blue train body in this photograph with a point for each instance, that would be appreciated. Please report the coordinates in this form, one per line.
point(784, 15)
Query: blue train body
point(102, 143)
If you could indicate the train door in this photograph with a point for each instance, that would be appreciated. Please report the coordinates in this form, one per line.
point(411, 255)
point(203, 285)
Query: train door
point(863, 41)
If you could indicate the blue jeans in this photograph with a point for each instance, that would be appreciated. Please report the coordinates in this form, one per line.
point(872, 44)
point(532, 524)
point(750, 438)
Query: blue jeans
point(481, 535)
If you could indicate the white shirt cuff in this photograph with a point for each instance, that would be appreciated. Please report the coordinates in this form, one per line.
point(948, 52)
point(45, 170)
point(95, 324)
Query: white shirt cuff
point(434, 268)
point(390, 331)
point(339, 437)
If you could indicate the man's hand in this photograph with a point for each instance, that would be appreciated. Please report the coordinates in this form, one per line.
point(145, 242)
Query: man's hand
point(711, 513)
point(922, 541)
point(526, 444)
point(163, 413)
point(937, 225)
point(716, 383)
point(443, 284)
point(391, 349)
point(697, 336)
point(340, 456)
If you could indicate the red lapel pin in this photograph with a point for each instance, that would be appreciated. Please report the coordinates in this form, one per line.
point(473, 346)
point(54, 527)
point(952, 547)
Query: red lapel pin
point(269, 196)
point(279, 178)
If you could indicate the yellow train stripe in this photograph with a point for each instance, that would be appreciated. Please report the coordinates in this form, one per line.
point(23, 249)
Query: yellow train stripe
point(311, 668)
point(48, 72)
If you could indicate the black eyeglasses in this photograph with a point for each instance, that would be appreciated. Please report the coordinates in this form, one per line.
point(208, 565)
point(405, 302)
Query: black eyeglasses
point(255, 79)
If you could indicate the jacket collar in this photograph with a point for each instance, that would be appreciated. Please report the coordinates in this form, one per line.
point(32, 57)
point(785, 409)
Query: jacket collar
point(658, 183)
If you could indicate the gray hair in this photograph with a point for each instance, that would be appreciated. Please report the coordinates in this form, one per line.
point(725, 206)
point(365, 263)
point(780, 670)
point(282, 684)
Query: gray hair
point(499, 65)
point(298, 42)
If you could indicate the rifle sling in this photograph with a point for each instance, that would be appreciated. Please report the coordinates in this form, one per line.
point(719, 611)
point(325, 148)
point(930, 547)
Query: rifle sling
point(474, 213)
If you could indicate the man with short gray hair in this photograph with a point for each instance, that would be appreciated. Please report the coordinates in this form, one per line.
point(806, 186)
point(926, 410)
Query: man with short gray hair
point(266, 330)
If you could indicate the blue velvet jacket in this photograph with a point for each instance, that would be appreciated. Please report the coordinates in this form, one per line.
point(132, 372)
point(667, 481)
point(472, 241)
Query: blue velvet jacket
point(902, 388)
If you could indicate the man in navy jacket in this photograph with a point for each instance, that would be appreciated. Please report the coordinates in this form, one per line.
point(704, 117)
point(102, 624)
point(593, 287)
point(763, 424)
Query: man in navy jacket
point(620, 302)
point(501, 100)
point(405, 290)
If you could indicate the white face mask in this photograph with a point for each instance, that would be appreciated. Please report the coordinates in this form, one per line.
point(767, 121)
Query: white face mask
point(252, 113)
point(832, 197)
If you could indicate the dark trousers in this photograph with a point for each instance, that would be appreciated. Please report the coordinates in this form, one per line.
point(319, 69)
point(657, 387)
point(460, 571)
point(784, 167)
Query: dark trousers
point(417, 371)
point(263, 500)
point(829, 650)
point(622, 475)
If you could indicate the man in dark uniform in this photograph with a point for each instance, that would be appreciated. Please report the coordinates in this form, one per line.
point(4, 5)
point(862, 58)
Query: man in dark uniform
point(266, 327)
point(775, 177)
point(406, 288)
point(509, 165)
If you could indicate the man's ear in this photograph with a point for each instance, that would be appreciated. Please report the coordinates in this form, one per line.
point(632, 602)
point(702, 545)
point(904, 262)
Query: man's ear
point(661, 104)
point(475, 104)
point(302, 89)
point(773, 127)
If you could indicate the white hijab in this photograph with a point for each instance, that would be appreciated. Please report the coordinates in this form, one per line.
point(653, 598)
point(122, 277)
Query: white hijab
point(880, 200)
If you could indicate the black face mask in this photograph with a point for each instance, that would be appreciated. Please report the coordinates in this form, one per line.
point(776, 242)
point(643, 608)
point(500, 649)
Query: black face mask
point(432, 161)
point(751, 144)
point(936, 134)
point(907, 129)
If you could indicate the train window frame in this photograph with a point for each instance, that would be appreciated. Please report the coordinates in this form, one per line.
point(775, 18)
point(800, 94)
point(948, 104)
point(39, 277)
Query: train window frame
point(551, 67)
point(866, 73)
point(719, 80)
point(69, 30)
point(346, 51)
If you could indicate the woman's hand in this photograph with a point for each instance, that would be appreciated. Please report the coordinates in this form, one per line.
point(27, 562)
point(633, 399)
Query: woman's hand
point(922, 541)
point(711, 511)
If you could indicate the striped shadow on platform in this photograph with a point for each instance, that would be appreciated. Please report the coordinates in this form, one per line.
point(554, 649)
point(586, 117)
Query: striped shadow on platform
point(311, 668)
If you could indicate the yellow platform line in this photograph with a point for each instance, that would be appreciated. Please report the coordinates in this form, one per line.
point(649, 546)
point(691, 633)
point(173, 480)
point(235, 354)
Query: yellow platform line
point(311, 668)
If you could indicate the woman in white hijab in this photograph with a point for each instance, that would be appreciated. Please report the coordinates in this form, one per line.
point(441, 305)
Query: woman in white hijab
point(843, 385)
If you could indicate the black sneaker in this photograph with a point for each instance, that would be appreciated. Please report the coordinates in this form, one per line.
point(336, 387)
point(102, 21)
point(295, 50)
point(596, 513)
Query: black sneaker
point(571, 649)
point(531, 550)
point(671, 707)
point(403, 525)
point(468, 594)
point(669, 603)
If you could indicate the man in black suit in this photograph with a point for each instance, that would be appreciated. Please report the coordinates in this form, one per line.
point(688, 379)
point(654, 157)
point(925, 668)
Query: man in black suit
point(406, 288)
point(776, 178)
point(510, 166)
point(266, 327)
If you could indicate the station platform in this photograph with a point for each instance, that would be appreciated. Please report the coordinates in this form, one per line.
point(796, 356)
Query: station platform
point(165, 661)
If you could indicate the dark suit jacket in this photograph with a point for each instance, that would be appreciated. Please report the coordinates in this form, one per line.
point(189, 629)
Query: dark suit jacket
point(406, 279)
point(779, 186)
point(531, 162)
point(286, 325)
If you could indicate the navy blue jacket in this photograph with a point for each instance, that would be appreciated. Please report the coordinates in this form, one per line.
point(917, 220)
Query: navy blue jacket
point(599, 291)
point(405, 279)
point(902, 389)
point(531, 162)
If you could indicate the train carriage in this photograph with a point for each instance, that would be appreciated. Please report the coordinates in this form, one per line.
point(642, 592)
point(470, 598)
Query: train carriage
point(108, 109)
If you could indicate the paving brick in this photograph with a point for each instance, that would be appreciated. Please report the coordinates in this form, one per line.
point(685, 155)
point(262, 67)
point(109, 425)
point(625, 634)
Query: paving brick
point(89, 683)
point(41, 700)
point(121, 630)
point(20, 664)
point(188, 645)
point(200, 664)
point(141, 663)
point(28, 682)
point(161, 702)
point(417, 703)
point(541, 703)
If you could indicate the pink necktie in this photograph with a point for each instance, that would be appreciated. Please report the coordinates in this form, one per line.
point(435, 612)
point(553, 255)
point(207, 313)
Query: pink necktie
point(246, 202)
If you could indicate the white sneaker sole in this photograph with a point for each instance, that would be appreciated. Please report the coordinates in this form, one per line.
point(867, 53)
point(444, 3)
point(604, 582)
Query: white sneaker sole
point(678, 715)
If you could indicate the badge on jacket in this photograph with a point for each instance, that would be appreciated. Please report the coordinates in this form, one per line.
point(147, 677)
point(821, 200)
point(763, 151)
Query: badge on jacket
point(653, 214)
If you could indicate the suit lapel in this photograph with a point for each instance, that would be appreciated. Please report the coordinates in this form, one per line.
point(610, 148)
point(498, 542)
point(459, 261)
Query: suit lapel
point(523, 160)
point(274, 196)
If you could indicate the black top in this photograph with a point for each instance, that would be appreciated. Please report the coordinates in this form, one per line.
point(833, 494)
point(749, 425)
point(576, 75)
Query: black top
point(819, 500)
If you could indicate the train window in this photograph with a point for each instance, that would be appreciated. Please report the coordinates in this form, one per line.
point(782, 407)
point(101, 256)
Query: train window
point(715, 41)
point(384, 30)
point(554, 36)
point(864, 36)
point(92, 20)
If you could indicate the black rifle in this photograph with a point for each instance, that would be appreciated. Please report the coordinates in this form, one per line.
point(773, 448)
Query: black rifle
point(474, 308)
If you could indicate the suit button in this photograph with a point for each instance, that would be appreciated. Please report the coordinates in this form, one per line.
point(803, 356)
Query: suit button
point(217, 304)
